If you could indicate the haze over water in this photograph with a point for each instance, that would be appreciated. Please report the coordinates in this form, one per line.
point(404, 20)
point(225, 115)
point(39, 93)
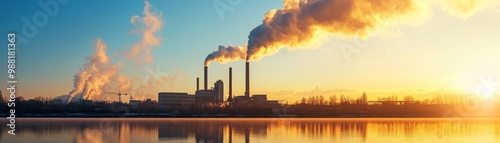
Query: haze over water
point(254, 130)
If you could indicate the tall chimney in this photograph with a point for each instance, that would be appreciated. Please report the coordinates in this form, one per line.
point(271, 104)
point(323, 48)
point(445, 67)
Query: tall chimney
point(206, 78)
point(247, 81)
point(230, 98)
point(197, 84)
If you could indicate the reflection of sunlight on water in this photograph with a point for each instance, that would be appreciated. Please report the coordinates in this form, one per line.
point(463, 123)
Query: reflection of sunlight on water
point(89, 136)
point(257, 130)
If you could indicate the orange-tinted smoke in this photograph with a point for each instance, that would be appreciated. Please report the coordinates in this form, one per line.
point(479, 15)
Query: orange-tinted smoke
point(97, 75)
point(226, 54)
point(300, 22)
point(147, 26)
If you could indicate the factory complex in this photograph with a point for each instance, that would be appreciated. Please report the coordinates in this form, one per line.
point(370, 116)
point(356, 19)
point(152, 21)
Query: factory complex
point(214, 96)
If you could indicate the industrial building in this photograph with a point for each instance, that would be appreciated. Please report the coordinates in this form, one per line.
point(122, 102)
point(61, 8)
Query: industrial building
point(215, 95)
point(260, 99)
point(168, 100)
point(202, 97)
point(134, 103)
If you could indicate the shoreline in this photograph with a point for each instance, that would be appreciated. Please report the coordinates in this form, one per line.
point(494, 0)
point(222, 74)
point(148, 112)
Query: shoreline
point(231, 116)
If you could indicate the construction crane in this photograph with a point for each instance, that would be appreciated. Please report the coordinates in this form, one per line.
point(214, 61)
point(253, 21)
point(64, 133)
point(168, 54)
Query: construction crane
point(119, 95)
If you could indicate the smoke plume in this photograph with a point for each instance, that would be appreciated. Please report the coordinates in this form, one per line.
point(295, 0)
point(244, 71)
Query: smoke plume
point(225, 54)
point(147, 27)
point(97, 74)
point(465, 8)
point(300, 22)
point(152, 84)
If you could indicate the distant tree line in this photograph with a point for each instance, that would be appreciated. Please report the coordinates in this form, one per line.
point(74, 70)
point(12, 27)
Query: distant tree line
point(312, 106)
point(449, 99)
point(332, 100)
point(47, 105)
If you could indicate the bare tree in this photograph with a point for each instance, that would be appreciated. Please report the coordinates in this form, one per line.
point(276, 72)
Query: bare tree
point(408, 98)
point(364, 98)
point(333, 100)
point(321, 100)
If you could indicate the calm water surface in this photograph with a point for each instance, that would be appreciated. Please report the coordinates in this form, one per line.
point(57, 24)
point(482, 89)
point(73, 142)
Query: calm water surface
point(287, 130)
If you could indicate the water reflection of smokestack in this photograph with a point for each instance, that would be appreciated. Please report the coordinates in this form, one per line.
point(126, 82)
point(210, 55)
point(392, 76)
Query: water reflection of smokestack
point(230, 133)
point(362, 128)
point(247, 133)
point(209, 132)
point(206, 78)
point(247, 80)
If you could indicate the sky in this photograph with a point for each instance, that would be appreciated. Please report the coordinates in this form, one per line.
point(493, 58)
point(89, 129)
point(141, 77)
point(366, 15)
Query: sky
point(440, 53)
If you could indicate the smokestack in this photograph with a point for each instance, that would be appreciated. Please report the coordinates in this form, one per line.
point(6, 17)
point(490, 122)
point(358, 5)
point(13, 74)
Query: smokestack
point(247, 82)
point(230, 84)
point(197, 84)
point(206, 78)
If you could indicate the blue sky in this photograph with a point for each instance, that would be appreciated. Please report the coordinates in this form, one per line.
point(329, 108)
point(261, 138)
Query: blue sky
point(415, 57)
point(192, 29)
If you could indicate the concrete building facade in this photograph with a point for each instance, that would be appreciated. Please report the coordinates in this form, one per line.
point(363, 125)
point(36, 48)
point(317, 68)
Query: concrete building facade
point(168, 100)
point(214, 95)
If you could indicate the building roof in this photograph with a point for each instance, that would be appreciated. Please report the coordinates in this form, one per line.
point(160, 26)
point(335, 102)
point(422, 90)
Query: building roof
point(172, 93)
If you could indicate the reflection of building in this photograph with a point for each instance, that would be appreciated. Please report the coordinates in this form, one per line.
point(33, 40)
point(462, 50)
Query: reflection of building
point(107, 131)
point(186, 131)
point(209, 132)
point(173, 132)
point(175, 100)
